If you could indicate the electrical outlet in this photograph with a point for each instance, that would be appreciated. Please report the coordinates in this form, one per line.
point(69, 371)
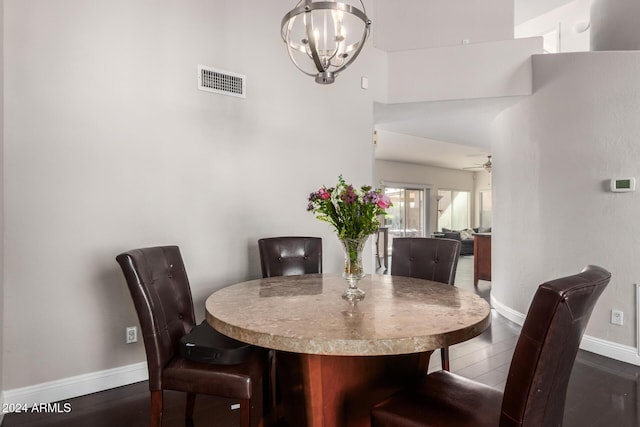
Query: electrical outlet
point(617, 317)
point(131, 334)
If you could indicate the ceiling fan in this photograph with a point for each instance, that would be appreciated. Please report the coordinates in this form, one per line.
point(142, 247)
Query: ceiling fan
point(486, 165)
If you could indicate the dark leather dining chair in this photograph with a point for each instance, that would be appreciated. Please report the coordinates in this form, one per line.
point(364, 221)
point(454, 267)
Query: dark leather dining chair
point(290, 255)
point(427, 258)
point(538, 377)
point(160, 290)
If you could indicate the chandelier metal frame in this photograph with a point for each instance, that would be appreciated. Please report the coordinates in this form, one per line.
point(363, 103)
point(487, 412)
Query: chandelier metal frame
point(328, 64)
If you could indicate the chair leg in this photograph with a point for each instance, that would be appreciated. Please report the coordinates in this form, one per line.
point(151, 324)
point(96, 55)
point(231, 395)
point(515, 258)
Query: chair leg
point(444, 355)
point(191, 402)
point(156, 408)
point(245, 413)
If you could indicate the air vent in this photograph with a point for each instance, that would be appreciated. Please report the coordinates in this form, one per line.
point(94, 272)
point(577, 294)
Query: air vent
point(222, 82)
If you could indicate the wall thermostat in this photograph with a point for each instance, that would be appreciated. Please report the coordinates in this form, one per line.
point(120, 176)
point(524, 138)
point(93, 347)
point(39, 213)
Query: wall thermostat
point(622, 185)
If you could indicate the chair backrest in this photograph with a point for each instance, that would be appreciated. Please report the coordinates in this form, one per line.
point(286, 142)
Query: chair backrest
point(162, 297)
point(289, 256)
point(425, 258)
point(536, 387)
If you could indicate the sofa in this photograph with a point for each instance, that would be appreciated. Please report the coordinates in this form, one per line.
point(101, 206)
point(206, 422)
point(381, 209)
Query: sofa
point(465, 237)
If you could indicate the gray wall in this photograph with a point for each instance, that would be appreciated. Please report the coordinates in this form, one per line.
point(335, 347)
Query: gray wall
point(1, 192)
point(615, 25)
point(110, 146)
point(419, 24)
point(553, 214)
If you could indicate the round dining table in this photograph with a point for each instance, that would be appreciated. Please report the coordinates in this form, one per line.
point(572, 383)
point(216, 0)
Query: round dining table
point(336, 357)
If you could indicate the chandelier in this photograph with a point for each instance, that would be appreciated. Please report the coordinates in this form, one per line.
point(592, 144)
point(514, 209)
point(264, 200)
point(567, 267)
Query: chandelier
point(324, 37)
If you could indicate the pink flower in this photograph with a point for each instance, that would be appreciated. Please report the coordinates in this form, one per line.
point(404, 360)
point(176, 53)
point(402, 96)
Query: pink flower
point(323, 194)
point(384, 201)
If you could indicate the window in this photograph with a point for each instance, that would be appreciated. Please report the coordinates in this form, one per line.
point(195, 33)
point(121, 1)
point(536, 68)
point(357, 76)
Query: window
point(485, 209)
point(454, 209)
point(407, 216)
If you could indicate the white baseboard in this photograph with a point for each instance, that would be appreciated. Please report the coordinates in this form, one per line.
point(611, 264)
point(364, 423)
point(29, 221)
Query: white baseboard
point(515, 316)
point(79, 385)
point(623, 353)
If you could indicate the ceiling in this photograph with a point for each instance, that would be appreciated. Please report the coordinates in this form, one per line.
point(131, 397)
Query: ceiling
point(409, 149)
point(449, 134)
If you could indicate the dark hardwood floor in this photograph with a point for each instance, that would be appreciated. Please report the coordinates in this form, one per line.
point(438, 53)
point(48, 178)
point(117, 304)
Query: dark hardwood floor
point(602, 392)
point(128, 406)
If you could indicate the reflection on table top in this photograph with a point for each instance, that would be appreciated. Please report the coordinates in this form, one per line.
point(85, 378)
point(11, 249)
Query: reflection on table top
point(306, 314)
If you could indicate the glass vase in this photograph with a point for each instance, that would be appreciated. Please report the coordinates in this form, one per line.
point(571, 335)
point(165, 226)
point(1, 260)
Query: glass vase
point(353, 269)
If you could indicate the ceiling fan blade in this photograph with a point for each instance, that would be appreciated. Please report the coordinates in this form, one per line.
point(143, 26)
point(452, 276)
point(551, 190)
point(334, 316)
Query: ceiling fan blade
point(481, 166)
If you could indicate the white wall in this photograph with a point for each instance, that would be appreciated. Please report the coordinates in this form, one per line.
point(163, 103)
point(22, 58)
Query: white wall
point(614, 25)
point(418, 24)
point(552, 212)
point(482, 70)
point(433, 177)
point(109, 146)
point(563, 20)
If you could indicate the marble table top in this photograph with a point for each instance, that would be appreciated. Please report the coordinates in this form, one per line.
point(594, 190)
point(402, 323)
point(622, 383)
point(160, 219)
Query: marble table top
point(306, 314)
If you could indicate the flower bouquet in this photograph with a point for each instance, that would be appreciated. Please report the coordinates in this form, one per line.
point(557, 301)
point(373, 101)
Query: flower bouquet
point(354, 214)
